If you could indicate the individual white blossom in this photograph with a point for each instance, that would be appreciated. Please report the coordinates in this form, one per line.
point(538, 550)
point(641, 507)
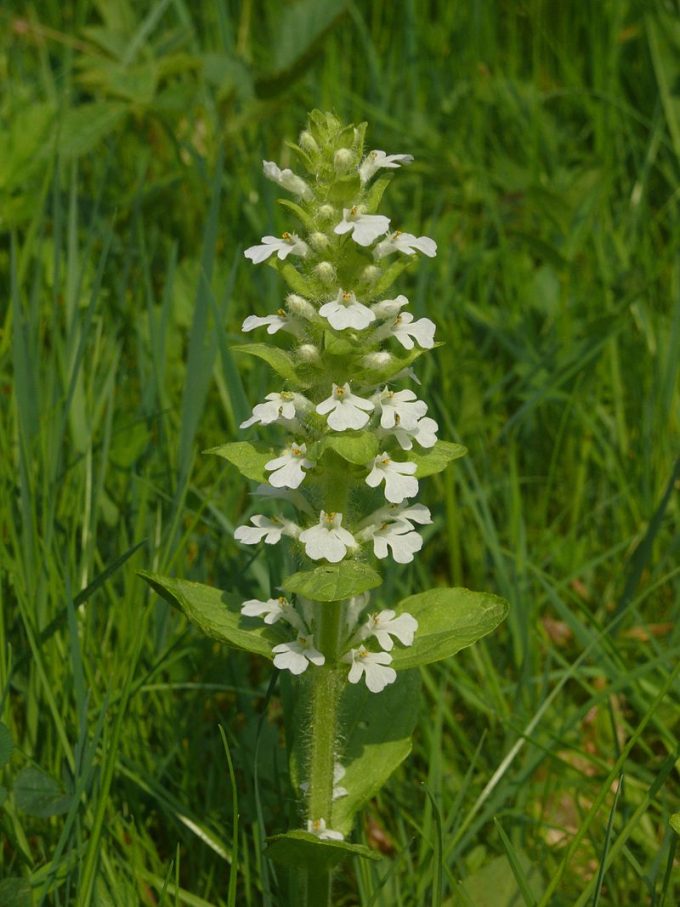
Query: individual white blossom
point(287, 244)
point(277, 407)
point(403, 541)
point(274, 323)
point(288, 470)
point(327, 539)
point(372, 666)
point(274, 610)
point(385, 624)
point(297, 655)
point(264, 528)
point(405, 329)
point(377, 160)
point(365, 228)
point(406, 243)
point(346, 312)
point(424, 432)
point(318, 828)
point(400, 408)
point(287, 180)
point(400, 482)
point(345, 409)
point(389, 308)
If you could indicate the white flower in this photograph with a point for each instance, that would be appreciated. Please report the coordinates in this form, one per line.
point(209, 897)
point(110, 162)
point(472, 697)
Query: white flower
point(394, 513)
point(424, 432)
point(401, 538)
point(346, 312)
point(404, 328)
point(388, 308)
point(264, 528)
point(345, 409)
point(373, 666)
point(385, 625)
point(327, 539)
point(376, 160)
point(278, 407)
point(406, 243)
point(287, 180)
point(399, 480)
point(365, 227)
point(274, 610)
point(289, 468)
point(295, 656)
point(288, 244)
point(318, 827)
point(400, 409)
point(275, 323)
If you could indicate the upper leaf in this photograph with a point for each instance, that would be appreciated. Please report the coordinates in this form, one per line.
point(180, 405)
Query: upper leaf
point(248, 458)
point(275, 357)
point(334, 582)
point(449, 619)
point(302, 849)
point(437, 458)
point(355, 447)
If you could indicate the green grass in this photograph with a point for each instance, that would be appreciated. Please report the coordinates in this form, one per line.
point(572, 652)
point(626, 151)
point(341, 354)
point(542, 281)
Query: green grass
point(547, 144)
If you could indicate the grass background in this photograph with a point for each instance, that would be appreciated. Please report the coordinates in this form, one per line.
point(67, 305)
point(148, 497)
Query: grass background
point(547, 145)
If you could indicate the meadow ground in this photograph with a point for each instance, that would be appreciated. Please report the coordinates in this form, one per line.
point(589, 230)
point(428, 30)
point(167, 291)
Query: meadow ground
point(547, 146)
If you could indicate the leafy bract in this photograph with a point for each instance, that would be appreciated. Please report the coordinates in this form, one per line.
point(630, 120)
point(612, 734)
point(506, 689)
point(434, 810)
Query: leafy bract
point(216, 613)
point(293, 278)
point(303, 849)
point(437, 458)
point(248, 458)
point(274, 356)
point(449, 619)
point(355, 447)
point(333, 582)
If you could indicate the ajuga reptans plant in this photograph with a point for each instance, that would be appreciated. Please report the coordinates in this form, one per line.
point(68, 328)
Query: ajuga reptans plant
point(348, 443)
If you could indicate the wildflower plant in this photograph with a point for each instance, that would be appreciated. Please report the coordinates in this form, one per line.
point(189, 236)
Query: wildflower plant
point(338, 486)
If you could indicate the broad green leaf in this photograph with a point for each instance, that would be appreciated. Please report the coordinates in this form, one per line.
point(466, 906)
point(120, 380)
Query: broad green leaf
point(302, 849)
point(437, 458)
point(358, 448)
point(275, 357)
point(377, 730)
point(5, 744)
point(293, 278)
point(39, 794)
point(248, 458)
point(375, 193)
point(448, 620)
point(216, 613)
point(675, 822)
point(344, 190)
point(384, 373)
point(16, 892)
point(334, 582)
point(299, 212)
point(495, 885)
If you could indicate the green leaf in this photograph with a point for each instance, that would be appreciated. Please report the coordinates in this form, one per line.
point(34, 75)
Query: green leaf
point(301, 849)
point(675, 822)
point(375, 193)
point(275, 357)
point(448, 620)
point(248, 458)
point(293, 278)
point(390, 276)
point(377, 730)
point(393, 367)
point(5, 744)
point(358, 448)
point(216, 613)
point(299, 212)
point(334, 582)
point(39, 794)
point(495, 885)
point(437, 458)
point(16, 892)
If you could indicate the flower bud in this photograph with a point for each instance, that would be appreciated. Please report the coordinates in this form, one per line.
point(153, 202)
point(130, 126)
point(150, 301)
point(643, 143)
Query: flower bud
point(325, 272)
point(327, 212)
point(343, 160)
point(308, 143)
point(371, 273)
point(377, 360)
point(299, 306)
point(307, 352)
point(319, 241)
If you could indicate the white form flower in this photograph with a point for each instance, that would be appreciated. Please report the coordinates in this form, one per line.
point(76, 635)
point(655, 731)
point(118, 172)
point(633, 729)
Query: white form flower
point(274, 322)
point(389, 308)
point(425, 433)
point(345, 410)
point(385, 625)
point(400, 482)
point(327, 539)
point(274, 610)
point(401, 538)
point(406, 243)
point(264, 528)
point(404, 329)
point(377, 160)
point(287, 244)
point(289, 468)
point(394, 513)
point(346, 312)
point(276, 408)
point(400, 409)
point(338, 790)
point(373, 666)
point(287, 180)
point(296, 656)
point(318, 828)
point(365, 227)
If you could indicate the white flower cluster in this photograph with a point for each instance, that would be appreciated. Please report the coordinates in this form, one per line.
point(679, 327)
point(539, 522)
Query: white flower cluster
point(297, 654)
